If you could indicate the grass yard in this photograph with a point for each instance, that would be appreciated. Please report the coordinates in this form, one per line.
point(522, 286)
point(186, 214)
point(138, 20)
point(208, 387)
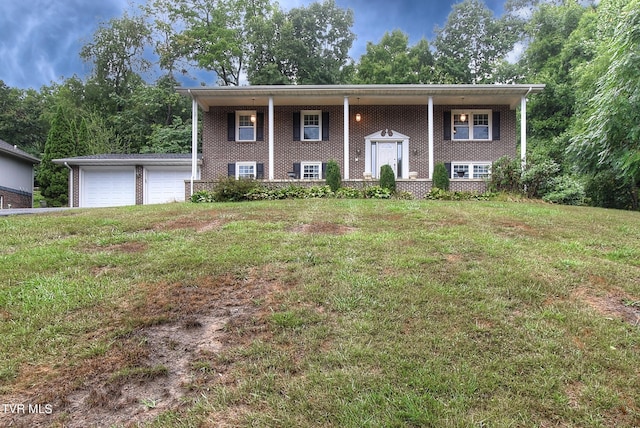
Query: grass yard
point(324, 313)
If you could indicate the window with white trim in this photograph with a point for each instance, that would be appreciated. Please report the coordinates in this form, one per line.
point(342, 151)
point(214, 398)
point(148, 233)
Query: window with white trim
point(311, 125)
point(245, 170)
point(311, 170)
point(470, 170)
point(245, 126)
point(471, 125)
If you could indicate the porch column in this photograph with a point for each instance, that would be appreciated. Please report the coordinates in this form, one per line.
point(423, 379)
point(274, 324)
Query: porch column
point(523, 130)
point(194, 140)
point(271, 143)
point(431, 133)
point(346, 138)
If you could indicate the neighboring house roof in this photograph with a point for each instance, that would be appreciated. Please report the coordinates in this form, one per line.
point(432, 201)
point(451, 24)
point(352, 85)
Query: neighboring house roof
point(364, 94)
point(14, 151)
point(159, 159)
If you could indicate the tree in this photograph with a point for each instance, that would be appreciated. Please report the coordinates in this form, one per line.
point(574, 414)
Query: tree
point(472, 43)
point(392, 61)
point(334, 181)
point(304, 46)
point(440, 176)
point(561, 39)
point(117, 54)
point(607, 132)
point(66, 138)
point(21, 119)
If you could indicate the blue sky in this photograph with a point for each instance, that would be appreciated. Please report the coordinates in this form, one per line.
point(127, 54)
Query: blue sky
point(40, 40)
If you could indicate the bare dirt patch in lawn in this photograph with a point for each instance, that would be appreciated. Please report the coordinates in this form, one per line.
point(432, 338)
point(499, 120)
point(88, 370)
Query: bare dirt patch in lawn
point(166, 347)
point(615, 304)
point(323, 228)
point(199, 224)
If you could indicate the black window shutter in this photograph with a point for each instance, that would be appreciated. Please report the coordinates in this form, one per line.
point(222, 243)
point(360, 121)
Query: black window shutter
point(324, 170)
point(260, 170)
point(231, 127)
point(496, 125)
point(296, 126)
point(325, 126)
point(231, 169)
point(260, 126)
point(447, 165)
point(296, 169)
point(446, 124)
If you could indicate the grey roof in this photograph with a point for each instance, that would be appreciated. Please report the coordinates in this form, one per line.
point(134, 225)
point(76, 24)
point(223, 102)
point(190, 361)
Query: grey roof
point(14, 151)
point(130, 159)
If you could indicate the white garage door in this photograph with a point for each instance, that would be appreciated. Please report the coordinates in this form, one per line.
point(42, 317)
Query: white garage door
point(166, 184)
point(108, 187)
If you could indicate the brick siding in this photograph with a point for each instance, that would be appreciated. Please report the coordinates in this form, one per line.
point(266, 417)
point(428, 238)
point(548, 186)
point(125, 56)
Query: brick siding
point(15, 198)
point(410, 120)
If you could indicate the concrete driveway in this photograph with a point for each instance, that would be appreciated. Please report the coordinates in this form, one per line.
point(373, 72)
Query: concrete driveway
point(24, 211)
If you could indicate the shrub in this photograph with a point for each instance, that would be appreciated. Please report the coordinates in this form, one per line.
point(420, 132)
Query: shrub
point(333, 176)
point(567, 190)
point(506, 175)
point(538, 176)
point(229, 189)
point(440, 176)
point(446, 195)
point(376, 192)
point(387, 178)
point(203, 196)
point(348, 193)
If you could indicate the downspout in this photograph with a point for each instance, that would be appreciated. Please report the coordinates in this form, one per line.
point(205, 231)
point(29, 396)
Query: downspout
point(70, 184)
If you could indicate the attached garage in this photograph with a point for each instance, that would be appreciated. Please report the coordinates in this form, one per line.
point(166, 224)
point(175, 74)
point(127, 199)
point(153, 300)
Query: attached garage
point(107, 186)
point(136, 179)
point(165, 184)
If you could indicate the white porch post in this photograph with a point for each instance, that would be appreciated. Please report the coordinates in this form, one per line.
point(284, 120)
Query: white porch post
point(431, 132)
point(271, 143)
point(194, 140)
point(523, 130)
point(346, 138)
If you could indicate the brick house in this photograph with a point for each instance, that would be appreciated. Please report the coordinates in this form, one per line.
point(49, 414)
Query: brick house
point(16, 177)
point(288, 133)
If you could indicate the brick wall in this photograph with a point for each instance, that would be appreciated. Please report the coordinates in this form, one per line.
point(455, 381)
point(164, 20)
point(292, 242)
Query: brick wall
point(15, 198)
point(409, 120)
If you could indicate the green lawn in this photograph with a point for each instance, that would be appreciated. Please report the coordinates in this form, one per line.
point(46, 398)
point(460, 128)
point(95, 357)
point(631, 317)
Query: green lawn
point(337, 313)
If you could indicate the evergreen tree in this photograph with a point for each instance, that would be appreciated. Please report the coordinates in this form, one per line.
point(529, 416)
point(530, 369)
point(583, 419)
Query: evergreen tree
point(66, 138)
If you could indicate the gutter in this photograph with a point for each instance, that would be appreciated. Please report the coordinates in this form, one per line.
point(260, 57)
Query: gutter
point(70, 184)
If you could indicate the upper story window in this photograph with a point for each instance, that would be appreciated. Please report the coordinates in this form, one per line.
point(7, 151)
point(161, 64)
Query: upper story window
point(246, 126)
point(311, 125)
point(471, 125)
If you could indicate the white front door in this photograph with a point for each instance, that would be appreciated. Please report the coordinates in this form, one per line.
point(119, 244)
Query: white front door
point(387, 155)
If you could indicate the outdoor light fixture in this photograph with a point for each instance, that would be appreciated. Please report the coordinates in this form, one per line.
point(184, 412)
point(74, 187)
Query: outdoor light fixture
point(253, 115)
point(463, 117)
point(358, 115)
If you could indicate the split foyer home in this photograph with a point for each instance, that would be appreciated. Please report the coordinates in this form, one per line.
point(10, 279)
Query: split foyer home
point(16, 177)
point(284, 133)
point(287, 134)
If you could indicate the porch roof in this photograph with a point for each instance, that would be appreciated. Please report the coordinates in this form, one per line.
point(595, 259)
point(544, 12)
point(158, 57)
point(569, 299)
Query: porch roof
point(511, 95)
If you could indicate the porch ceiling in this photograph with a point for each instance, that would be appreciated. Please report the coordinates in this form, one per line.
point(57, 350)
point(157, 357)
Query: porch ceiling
point(361, 95)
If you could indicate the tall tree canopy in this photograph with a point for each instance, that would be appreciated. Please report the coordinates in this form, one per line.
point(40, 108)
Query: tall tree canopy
point(307, 45)
point(393, 61)
point(607, 133)
point(471, 45)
